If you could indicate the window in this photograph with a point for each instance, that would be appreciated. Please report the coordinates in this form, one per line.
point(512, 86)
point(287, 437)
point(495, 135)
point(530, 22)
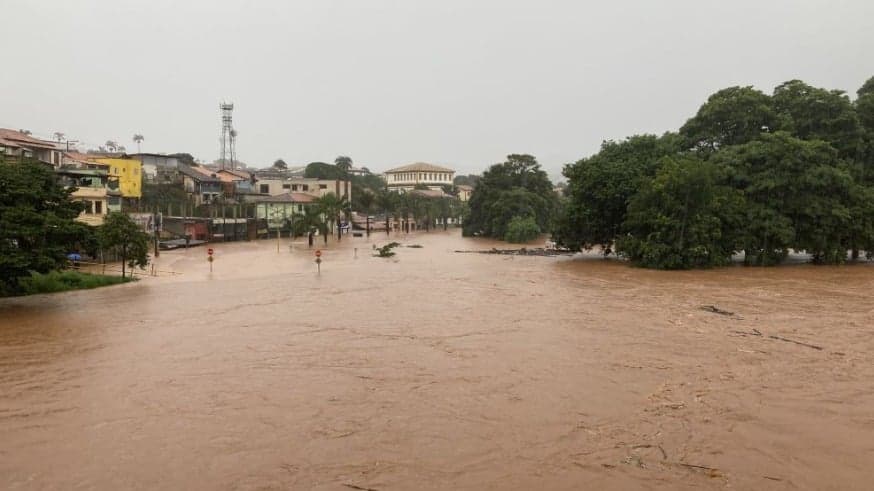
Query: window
point(98, 207)
point(294, 187)
point(265, 189)
point(323, 186)
point(286, 186)
point(206, 198)
point(88, 209)
point(305, 187)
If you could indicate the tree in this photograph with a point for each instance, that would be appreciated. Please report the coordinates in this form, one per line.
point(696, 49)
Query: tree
point(522, 229)
point(111, 145)
point(332, 207)
point(321, 170)
point(365, 203)
point(343, 163)
point(683, 218)
point(37, 227)
point(59, 136)
point(731, 116)
point(797, 194)
point(811, 113)
point(600, 187)
point(280, 164)
point(462, 180)
point(517, 187)
point(185, 158)
point(138, 139)
point(120, 234)
point(387, 201)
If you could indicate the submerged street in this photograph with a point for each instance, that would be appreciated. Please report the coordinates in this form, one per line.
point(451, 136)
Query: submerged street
point(437, 370)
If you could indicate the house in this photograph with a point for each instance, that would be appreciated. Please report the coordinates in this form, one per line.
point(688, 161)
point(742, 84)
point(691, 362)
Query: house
point(278, 211)
point(127, 171)
point(235, 182)
point(17, 145)
point(156, 164)
point(407, 177)
point(202, 184)
point(92, 191)
point(464, 192)
point(312, 186)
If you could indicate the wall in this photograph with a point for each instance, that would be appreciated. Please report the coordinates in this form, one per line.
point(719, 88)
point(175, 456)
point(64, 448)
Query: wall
point(129, 174)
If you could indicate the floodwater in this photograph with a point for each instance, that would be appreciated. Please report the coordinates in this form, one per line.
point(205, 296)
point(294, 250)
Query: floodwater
point(436, 370)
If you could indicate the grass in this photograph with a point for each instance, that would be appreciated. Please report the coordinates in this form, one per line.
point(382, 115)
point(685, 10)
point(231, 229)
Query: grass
point(61, 281)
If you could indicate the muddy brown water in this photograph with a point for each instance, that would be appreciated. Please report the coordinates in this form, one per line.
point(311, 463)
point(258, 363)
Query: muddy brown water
point(436, 370)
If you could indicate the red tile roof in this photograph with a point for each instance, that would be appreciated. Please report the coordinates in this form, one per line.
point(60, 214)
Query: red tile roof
point(15, 138)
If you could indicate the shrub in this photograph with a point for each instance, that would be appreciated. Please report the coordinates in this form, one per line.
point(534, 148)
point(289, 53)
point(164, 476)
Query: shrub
point(522, 229)
point(59, 281)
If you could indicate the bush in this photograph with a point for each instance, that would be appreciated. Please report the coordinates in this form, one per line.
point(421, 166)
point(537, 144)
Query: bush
point(60, 281)
point(522, 229)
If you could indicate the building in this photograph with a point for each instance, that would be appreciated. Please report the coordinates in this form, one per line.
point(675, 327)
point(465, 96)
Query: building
point(17, 145)
point(406, 178)
point(155, 164)
point(278, 211)
point(92, 191)
point(128, 172)
point(203, 185)
point(312, 186)
point(464, 192)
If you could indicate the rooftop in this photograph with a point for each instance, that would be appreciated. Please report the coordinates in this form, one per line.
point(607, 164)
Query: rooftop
point(287, 198)
point(15, 138)
point(420, 167)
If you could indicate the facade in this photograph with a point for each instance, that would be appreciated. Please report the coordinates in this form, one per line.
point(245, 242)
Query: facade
point(406, 178)
point(15, 145)
point(203, 185)
point(311, 186)
point(91, 190)
point(128, 172)
point(464, 192)
point(278, 211)
point(154, 163)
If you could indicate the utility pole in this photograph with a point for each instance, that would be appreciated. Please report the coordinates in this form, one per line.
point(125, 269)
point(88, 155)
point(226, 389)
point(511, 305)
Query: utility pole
point(155, 228)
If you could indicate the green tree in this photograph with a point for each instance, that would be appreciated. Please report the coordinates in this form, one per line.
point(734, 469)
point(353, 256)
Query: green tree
point(517, 187)
point(521, 229)
point(387, 201)
point(600, 187)
point(731, 116)
point(797, 194)
point(321, 170)
point(37, 227)
point(343, 163)
point(811, 113)
point(683, 218)
point(121, 235)
point(280, 164)
point(333, 207)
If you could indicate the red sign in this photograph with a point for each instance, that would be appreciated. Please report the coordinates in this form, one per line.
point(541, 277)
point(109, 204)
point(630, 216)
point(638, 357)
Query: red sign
point(209, 251)
point(318, 253)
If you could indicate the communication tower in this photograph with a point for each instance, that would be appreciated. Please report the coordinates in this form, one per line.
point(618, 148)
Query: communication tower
point(229, 136)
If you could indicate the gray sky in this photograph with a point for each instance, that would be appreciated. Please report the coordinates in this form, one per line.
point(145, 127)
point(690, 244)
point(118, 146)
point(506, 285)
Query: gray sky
point(455, 82)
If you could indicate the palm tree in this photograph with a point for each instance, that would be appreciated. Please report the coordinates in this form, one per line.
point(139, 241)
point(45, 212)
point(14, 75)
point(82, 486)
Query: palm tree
point(366, 200)
point(332, 207)
point(111, 145)
point(138, 138)
point(25, 132)
point(121, 148)
point(59, 136)
point(344, 163)
point(387, 202)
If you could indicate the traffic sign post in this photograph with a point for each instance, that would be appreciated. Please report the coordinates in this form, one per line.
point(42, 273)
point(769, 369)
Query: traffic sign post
point(209, 258)
point(319, 260)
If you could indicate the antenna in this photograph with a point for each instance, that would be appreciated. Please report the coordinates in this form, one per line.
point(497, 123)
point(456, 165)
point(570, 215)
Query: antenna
point(229, 135)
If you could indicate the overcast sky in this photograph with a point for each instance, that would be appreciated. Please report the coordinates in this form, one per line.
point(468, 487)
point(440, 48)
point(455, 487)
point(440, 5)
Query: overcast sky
point(388, 82)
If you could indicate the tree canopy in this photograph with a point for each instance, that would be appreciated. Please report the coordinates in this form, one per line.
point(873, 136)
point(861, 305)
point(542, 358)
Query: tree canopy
point(750, 173)
point(517, 187)
point(37, 227)
point(120, 234)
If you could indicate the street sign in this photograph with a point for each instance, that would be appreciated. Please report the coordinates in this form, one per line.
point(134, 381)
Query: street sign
point(209, 251)
point(318, 253)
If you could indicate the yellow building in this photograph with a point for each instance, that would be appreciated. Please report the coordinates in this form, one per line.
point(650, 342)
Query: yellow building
point(129, 173)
